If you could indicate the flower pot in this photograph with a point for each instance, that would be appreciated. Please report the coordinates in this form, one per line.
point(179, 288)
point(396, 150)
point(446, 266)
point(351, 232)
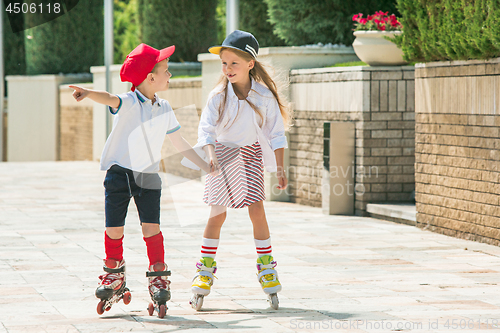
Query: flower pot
point(372, 48)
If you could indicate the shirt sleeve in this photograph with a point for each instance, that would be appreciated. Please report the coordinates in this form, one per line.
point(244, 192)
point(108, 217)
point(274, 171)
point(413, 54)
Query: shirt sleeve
point(274, 128)
point(208, 123)
point(126, 102)
point(173, 124)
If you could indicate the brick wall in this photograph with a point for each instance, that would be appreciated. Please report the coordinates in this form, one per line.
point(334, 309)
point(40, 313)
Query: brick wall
point(184, 95)
point(457, 149)
point(381, 103)
point(75, 126)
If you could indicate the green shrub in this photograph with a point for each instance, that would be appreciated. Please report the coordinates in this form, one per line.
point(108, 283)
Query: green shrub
point(254, 19)
point(300, 22)
point(69, 44)
point(189, 25)
point(449, 29)
point(126, 29)
point(13, 46)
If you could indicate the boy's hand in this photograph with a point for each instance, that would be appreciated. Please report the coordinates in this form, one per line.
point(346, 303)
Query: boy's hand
point(79, 93)
point(214, 167)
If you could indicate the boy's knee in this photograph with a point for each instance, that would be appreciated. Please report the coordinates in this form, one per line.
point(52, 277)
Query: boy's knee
point(150, 229)
point(114, 232)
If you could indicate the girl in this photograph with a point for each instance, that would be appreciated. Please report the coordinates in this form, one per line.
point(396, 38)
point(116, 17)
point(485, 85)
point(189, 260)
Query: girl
point(241, 129)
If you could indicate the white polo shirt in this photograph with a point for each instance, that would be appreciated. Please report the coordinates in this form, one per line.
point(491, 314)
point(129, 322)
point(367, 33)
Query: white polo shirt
point(139, 129)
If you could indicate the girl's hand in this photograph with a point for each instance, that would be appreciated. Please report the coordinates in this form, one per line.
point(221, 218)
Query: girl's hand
point(79, 93)
point(282, 180)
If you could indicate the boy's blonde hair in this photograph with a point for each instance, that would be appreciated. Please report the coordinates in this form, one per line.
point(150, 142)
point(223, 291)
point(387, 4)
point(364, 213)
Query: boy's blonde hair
point(259, 74)
point(156, 66)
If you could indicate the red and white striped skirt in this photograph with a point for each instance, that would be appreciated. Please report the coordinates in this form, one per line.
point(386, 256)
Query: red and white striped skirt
point(240, 182)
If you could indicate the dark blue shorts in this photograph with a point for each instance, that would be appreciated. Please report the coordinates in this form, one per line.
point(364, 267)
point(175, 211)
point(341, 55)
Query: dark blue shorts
point(122, 184)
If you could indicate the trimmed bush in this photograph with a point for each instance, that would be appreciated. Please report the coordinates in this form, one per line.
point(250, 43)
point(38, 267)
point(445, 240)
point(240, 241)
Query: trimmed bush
point(13, 46)
point(189, 25)
point(69, 44)
point(301, 22)
point(126, 29)
point(254, 19)
point(449, 29)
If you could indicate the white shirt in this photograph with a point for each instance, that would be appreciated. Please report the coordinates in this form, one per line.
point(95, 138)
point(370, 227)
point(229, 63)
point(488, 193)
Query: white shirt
point(139, 129)
point(244, 126)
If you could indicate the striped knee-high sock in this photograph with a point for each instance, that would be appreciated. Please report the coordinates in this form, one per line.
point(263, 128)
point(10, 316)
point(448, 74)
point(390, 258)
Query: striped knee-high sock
point(209, 247)
point(263, 247)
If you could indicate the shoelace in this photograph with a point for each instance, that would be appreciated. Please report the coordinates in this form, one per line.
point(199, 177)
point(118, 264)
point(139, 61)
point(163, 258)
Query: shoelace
point(160, 283)
point(269, 277)
point(109, 278)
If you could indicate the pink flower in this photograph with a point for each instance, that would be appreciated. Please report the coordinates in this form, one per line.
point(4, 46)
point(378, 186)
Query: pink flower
point(370, 17)
point(363, 21)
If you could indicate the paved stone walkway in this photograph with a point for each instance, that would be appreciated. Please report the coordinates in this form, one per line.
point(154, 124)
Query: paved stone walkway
point(339, 274)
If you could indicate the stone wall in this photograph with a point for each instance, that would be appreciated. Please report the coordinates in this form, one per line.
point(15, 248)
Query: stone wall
point(184, 95)
point(75, 126)
point(380, 100)
point(457, 149)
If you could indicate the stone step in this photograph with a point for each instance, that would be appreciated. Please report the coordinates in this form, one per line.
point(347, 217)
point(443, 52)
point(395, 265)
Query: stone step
point(405, 213)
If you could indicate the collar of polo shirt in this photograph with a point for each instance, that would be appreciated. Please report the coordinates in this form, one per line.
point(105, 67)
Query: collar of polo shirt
point(144, 99)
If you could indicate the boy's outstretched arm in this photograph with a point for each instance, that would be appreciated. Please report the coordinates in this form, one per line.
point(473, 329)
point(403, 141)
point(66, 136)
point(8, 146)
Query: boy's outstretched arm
point(185, 149)
point(99, 96)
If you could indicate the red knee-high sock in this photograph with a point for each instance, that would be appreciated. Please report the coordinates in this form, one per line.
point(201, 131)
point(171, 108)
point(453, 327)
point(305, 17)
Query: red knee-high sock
point(113, 248)
point(156, 253)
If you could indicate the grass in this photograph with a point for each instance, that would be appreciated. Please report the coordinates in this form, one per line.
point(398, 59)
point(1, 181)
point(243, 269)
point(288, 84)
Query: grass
point(348, 64)
point(185, 76)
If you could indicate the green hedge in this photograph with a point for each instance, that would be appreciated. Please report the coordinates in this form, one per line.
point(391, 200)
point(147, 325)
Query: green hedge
point(449, 29)
point(254, 19)
point(13, 46)
point(126, 32)
point(71, 43)
point(189, 25)
point(301, 22)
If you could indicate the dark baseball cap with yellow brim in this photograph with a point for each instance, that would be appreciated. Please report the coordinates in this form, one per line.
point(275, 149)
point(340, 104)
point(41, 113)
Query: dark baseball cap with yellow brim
point(238, 40)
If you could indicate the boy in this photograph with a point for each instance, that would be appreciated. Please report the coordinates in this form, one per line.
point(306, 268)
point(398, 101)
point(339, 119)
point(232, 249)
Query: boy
point(131, 156)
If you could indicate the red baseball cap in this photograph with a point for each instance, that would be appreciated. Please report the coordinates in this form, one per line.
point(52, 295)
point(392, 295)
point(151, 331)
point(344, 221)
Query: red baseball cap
point(141, 61)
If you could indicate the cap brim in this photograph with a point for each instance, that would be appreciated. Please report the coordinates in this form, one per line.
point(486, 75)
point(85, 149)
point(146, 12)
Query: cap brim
point(166, 53)
point(217, 49)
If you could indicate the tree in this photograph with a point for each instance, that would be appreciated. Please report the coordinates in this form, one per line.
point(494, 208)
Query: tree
point(126, 28)
point(189, 25)
point(69, 44)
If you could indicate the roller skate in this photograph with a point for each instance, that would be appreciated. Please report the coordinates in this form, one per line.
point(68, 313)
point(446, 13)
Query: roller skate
point(268, 278)
point(159, 288)
point(112, 287)
point(203, 281)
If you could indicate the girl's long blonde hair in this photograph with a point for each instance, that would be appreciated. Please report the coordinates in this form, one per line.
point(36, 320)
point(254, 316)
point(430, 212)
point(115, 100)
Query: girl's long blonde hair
point(259, 74)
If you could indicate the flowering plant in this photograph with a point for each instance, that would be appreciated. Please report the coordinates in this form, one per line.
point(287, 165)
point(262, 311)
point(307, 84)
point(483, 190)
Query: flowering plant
point(378, 21)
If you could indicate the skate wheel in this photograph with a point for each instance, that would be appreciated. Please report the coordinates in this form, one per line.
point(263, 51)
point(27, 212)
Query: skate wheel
point(127, 297)
point(273, 301)
point(162, 311)
point(100, 307)
point(196, 302)
point(151, 309)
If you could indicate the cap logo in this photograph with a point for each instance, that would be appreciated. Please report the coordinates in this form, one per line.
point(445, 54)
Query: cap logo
point(251, 50)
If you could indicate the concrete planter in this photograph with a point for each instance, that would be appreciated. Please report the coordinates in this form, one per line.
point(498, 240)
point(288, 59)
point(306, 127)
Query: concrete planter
point(372, 48)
